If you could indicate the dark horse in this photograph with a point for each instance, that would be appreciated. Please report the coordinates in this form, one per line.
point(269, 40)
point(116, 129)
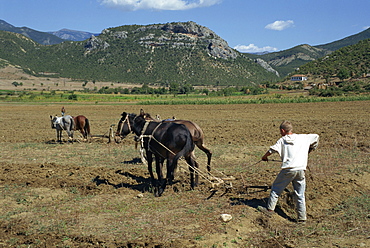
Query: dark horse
point(65, 123)
point(82, 124)
point(124, 128)
point(166, 141)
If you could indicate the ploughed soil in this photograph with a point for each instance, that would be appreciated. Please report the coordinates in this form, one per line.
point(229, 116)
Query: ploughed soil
point(98, 194)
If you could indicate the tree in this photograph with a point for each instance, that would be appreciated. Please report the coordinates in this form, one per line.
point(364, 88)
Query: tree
point(174, 88)
point(343, 74)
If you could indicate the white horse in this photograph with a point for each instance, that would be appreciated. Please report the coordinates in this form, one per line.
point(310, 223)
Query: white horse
point(65, 123)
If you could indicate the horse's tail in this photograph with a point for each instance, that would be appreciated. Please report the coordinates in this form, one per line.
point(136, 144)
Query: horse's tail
point(72, 125)
point(87, 128)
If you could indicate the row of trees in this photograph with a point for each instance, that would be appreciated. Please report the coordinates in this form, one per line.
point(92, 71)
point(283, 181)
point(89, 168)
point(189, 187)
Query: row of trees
point(343, 88)
point(176, 88)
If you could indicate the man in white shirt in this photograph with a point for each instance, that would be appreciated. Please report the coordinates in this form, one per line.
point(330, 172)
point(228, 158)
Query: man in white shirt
point(293, 150)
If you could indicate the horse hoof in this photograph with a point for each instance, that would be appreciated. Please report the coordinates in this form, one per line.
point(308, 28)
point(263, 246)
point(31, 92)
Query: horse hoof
point(158, 192)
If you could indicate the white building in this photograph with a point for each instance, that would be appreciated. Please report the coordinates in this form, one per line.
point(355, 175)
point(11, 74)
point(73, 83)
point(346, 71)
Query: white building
point(298, 78)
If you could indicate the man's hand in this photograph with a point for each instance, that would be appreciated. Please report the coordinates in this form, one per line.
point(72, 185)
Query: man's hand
point(265, 157)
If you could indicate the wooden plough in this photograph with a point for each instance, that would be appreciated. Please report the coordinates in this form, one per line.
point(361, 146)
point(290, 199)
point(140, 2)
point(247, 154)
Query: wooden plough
point(109, 134)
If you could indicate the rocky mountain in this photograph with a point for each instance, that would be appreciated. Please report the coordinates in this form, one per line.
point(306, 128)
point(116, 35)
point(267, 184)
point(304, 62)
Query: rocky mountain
point(287, 61)
point(74, 35)
point(40, 37)
point(182, 52)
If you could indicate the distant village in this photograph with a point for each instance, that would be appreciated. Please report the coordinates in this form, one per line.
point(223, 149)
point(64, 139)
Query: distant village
point(303, 79)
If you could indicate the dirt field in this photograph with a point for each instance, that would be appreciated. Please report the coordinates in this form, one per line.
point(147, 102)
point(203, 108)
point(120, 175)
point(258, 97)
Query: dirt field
point(11, 74)
point(98, 194)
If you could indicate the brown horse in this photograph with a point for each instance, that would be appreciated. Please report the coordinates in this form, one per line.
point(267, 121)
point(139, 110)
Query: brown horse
point(124, 127)
point(82, 124)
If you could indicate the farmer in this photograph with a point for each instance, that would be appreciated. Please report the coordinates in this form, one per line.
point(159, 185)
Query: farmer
point(293, 150)
point(63, 110)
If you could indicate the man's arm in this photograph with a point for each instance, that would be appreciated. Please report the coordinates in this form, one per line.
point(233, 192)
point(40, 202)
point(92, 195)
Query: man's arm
point(314, 143)
point(264, 158)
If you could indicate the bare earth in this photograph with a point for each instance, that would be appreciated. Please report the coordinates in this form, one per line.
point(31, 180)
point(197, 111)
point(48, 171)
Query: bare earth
point(11, 74)
point(98, 195)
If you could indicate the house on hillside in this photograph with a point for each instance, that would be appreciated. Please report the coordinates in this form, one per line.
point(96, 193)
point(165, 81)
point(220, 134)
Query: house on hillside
point(298, 78)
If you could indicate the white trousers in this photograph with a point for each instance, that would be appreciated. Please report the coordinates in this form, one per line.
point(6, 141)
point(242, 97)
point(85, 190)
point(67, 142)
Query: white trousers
point(297, 178)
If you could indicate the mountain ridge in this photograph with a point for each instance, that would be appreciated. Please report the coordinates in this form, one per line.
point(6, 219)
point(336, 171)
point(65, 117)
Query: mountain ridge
point(181, 36)
point(38, 36)
point(185, 53)
point(73, 35)
point(290, 60)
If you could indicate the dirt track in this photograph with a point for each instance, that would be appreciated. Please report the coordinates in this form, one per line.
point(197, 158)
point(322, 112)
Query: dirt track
point(88, 194)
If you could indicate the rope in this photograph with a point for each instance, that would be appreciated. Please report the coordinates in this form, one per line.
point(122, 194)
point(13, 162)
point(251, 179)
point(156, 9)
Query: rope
point(151, 136)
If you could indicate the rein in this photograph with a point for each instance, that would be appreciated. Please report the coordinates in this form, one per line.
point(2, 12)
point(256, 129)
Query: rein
point(151, 136)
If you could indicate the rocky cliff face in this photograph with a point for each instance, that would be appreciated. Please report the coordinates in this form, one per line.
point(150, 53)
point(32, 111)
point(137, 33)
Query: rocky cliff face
point(95, 43)
point(176, 35)
point(265, 65)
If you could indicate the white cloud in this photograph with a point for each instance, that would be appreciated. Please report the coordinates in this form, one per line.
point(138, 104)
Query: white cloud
point(132, 5)
point(251, 48)
point(280, 25)
point(366, 27)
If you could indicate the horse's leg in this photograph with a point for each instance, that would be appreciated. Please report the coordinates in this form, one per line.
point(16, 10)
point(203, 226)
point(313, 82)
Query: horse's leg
point(170, 169)
point(200, 145)
point(149, 159)
point(82, 131)
point(159, 189)
point(70, 134)
point(59, 135)
point(194, 177)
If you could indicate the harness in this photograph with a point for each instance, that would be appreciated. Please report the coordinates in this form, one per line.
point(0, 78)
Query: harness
point(151, 137)
point(207, 176)
point(128, 125)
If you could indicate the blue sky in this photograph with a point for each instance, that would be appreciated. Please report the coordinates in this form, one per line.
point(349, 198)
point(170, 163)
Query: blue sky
point(247, 25)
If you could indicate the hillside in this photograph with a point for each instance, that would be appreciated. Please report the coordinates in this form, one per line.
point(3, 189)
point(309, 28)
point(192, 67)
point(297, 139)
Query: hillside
point(353, 60)
point(160, 54)
point(347, 41)
point(287, 61)
point(40, 37)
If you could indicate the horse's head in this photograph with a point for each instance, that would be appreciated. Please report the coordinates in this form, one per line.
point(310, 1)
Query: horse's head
point(138, 121)
point(124, 126)
point(147, 116)
point(54, 120)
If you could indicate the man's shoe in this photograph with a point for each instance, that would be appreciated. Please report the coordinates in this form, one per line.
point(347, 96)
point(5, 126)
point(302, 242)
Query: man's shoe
point(265, 211)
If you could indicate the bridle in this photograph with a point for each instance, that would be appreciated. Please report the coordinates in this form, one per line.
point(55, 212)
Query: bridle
point(126, 120)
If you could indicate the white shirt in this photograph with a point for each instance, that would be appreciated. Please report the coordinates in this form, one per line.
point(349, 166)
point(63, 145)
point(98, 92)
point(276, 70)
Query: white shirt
point(293, 150)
